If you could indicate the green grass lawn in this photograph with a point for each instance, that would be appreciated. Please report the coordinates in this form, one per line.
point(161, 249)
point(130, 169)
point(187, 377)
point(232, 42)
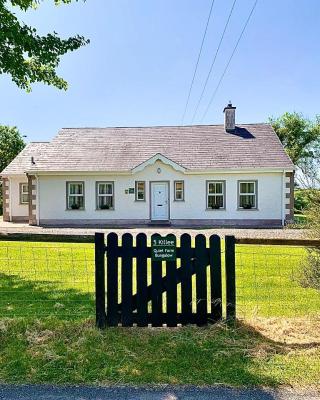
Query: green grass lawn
point(38, 279)
point(49, 290)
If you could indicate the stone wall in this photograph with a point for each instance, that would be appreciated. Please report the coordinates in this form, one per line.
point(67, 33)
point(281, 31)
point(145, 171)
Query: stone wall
point(32, 187)
point(5, 195)
point(289, 197)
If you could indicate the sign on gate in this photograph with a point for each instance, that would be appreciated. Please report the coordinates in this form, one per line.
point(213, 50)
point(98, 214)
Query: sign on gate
point(163, 248)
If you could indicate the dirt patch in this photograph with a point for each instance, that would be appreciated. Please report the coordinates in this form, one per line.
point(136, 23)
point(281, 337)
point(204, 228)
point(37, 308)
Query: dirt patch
point(292, 331)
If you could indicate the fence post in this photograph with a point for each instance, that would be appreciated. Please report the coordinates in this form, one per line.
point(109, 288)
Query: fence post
point(100, 280)
point(230, 263)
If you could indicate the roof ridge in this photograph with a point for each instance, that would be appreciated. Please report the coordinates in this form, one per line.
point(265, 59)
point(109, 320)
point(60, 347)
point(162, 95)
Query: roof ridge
point(159, 126)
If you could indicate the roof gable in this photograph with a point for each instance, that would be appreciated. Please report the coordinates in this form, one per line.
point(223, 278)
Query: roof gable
point(158, 157)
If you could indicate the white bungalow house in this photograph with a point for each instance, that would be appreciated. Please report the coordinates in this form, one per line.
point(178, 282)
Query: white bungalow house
point(208, 175)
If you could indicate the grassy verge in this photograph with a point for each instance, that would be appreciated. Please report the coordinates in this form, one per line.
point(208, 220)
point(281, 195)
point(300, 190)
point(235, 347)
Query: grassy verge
point(39, 279)
point(52, 351)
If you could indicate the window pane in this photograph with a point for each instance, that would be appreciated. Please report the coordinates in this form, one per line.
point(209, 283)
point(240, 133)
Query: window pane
point(247, 187)
point(251, 187)
point(179, 195)
point(215, 201)
point(76, 201)
point(140, 190)
point(215, 188)
point(179, 185)
point(75, 188)
point(219, 187)
point(24, 188)
point(24, 198)
point(212, 188)
point(105, 202)
point(105, 188)
point(247, 201)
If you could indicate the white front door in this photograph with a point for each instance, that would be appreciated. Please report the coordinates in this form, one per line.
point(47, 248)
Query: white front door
point(159, 201)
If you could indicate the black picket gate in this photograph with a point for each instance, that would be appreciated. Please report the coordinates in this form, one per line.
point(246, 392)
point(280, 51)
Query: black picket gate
point(128, 299)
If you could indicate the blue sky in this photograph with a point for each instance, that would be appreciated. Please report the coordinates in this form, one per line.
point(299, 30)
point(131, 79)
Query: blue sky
point(138, 67)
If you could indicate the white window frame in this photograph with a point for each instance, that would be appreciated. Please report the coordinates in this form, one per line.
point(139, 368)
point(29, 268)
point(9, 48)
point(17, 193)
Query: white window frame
point(223, 194)
point(178, 190)
point(23, 192)
point(69, 183)
point(98, 195)
point(137, 191)
point(255, 194)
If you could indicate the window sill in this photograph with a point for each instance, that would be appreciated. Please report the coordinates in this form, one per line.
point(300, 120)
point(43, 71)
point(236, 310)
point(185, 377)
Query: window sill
point(140, 201)
point(178, 201)
point(104, 209)
point(216, 209)
point(75, 209)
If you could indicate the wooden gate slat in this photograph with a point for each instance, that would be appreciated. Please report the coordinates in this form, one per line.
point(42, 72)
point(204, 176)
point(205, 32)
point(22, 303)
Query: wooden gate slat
point(215, 277)
point(201, 278)
point(126, 280)
point(142, 282)
point(156, 291)
point(112, 279)
point(171, 272)
point(186, 278)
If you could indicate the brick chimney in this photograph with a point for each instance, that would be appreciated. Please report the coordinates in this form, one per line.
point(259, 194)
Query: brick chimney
point(230, 118)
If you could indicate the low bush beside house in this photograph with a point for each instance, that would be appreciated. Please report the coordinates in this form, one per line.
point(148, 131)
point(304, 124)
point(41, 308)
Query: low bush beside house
point(301, 200)
point(311, 268)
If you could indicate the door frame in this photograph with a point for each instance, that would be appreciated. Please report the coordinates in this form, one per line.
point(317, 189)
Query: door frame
point(150, 199)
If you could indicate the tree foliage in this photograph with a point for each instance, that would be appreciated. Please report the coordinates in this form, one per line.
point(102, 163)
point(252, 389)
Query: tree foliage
point(27, 56)
point(302, 199)
point(299, 136)
point(301, 140)
point(11, 143)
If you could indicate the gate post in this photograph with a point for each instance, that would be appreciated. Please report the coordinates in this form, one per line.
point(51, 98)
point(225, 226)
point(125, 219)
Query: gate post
point(230, 263)
point(100, 280)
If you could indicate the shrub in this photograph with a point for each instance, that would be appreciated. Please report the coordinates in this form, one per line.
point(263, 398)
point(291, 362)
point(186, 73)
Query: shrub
point(311, 268)
point(301, 200)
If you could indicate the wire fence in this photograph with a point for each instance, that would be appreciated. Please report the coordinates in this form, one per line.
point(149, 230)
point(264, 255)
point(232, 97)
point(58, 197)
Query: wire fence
point(57, 279)
point(270, 283)
point(42, 279)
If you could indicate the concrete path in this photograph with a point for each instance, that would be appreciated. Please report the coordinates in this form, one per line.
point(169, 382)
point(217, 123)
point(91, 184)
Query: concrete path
point(6, 227)
point(35, 392)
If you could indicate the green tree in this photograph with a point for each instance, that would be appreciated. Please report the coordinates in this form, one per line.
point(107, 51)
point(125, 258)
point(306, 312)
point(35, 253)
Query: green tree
point(11, 143)
point(299, 136)
point(301, 140)
point(27, 56)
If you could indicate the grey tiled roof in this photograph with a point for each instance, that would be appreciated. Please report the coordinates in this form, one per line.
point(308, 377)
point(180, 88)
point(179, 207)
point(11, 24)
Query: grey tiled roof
point(121, 149)
point(22, 162)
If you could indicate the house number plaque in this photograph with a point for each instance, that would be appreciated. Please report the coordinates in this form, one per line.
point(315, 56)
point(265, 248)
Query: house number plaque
point(163, 248)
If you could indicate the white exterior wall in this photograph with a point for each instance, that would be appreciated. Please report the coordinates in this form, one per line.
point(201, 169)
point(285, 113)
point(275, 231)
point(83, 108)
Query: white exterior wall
point(15, 208)
point(52, 196)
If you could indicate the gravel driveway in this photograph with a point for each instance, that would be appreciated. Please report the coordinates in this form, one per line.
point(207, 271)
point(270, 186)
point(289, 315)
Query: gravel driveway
point(6, 227)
